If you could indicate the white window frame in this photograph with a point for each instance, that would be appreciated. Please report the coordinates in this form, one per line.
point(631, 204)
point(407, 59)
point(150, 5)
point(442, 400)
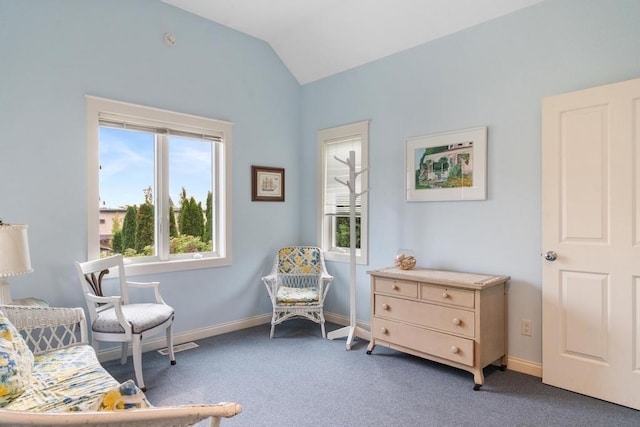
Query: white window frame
point(97, 107)
point(324, 229)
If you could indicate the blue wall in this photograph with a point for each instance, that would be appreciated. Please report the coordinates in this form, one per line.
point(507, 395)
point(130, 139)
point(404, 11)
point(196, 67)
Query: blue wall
point(56, 52)
point(53, 53)
point(493, 75)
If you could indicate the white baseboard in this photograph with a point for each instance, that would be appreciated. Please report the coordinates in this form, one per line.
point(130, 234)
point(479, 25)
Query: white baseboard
point(524, 366)
point(344, 320)
point(513, 363)
point(192, 335)
point(159, 342)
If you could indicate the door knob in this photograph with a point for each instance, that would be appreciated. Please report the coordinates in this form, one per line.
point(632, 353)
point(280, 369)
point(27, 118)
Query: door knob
point(550, 256)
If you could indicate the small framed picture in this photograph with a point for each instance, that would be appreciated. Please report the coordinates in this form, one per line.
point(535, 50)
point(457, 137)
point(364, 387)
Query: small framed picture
point(267, 184)
point(447, 166)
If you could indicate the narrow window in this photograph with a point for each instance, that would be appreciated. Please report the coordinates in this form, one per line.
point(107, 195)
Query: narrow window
point(334, 147)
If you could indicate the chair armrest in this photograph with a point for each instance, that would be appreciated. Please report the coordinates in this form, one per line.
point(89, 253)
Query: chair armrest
point(48, 328)
point(271, 278)
point(271, 282)
point(108, 302)
point(325, 283)
point(183, 415)
point(104, 300)
point(154, 285)
point(143, 284)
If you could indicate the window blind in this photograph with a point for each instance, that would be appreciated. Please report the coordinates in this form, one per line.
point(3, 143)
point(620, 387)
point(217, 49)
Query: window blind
point(145, 125)
point(336, 198)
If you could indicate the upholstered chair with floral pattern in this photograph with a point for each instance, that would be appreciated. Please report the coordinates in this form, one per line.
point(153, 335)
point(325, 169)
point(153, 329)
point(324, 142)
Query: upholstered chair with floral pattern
point(298, 285)
point(116, 319)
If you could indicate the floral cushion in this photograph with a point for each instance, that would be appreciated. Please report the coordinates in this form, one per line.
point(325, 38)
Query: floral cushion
point(16, 362)
point(68, 379)
point(297, 296)
point(299, 260)
point(125, 396)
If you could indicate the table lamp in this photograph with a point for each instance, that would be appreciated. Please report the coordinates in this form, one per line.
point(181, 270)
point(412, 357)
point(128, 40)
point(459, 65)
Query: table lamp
point(14, 256)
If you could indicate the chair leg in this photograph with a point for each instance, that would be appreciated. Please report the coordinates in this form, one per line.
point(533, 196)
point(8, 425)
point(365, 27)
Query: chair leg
point(274, 318)
point(95, 344)
point(124, 354)
point(137, 360)
point(324, 334)
point(172, 356)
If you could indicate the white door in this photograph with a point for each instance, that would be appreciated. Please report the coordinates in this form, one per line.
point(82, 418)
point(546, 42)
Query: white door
point(591, 221)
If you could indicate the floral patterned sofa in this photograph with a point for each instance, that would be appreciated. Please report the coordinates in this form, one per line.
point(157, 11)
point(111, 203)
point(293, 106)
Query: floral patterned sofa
point(50, 376)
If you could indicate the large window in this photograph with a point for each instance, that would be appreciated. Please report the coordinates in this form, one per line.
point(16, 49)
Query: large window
point(334, 226)
point(159, 186)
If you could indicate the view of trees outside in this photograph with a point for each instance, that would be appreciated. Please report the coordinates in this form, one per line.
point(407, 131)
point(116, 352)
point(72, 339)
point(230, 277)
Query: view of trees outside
point(343, 237)
point(127, 168)
point(190, 233)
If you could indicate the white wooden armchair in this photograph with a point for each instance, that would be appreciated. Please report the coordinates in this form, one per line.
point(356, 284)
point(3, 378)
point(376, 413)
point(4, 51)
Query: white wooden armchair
point(298, 285)
point(115, 319)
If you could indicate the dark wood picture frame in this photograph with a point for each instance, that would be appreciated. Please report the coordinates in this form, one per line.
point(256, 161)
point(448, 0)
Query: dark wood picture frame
point(267, 184)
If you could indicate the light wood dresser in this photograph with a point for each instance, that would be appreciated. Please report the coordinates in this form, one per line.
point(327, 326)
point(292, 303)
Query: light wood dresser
point(449, 317)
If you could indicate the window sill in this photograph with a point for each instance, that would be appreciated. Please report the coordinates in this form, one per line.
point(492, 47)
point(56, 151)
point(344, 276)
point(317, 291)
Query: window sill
point(344, 257)
point(154, 267)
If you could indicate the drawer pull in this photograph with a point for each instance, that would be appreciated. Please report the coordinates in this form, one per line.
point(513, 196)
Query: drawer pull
point(383, 330)
point(454, 349)
point(394, 287)
point(385, 307)
point(456, 321)
point(445, 295)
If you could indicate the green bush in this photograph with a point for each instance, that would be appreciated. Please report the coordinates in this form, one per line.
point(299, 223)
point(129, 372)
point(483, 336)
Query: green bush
point(130, 252)
point(187, 244)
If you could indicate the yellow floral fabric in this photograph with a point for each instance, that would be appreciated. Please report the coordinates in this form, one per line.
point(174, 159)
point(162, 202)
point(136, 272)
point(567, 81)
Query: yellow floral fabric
point(69, 379)
point(125, 396)
point(16, 362)
point(297, 296)
point(299, 260)
point(299, 270)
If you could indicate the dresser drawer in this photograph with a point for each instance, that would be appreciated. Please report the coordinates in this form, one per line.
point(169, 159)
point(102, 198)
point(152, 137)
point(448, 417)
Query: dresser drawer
point(455, 349)
point(445, 295)
point(396, 287)
point(447, 319)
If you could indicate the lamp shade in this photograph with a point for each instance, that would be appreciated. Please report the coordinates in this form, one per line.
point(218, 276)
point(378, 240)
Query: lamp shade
point(14, 250)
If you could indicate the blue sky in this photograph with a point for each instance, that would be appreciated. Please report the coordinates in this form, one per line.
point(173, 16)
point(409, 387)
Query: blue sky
point(127, 167)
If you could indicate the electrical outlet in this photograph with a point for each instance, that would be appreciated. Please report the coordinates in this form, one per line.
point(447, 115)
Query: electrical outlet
point(525, 327)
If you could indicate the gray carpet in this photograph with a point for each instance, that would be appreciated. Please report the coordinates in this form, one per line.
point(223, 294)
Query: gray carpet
point(298, 379)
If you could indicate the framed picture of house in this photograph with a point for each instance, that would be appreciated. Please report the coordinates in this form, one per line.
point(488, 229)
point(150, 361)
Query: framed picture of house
point(267, 184)
point(447, 166)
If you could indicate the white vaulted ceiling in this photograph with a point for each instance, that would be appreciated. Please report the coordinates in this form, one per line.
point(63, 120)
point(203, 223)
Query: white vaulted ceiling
point(318, 38)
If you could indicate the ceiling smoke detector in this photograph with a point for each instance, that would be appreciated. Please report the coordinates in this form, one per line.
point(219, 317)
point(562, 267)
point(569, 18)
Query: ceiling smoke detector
point(170, 39)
